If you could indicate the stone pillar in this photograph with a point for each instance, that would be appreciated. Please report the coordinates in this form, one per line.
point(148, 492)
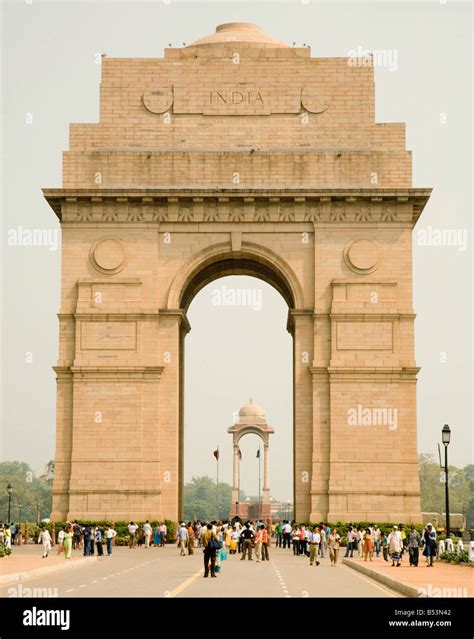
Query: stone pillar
point(266, 513)
point(301, 325)
point(235, 481)
point(173, 324)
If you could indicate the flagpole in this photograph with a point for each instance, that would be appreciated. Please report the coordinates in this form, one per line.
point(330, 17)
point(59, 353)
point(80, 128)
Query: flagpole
point(217, 484)
point(259, 493)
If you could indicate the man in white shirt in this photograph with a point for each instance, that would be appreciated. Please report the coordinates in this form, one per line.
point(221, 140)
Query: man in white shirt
point(45, 537)
point(323, 543)
point(110, 533)
point(163, 533)
point(314, 539)
point(286, 531)
point(147, 529)
point(132, 529)
point(183, 538)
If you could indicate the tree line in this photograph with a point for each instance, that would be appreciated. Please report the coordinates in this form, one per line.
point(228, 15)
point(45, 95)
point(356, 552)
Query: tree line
point(32, 493)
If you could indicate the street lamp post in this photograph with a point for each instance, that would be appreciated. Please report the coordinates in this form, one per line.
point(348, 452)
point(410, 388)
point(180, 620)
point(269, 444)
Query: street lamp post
point(446, 437)
point(9, 491)
point(19, 514)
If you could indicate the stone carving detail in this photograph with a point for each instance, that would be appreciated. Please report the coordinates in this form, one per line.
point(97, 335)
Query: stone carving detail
point(363, 213)
point(315, 100)
point(211, 213)
point(313, 212)
point(261, 208)
point(337, 213)
point(236, 213)
point(362, 256)
point(389, 213)
point(107, 255)
point(161, 212)
point(135, 213)
point(287, 211)
point(84, 212)
point(262, 212)
point(158, 100)
point(110, 213)
point(185, 212)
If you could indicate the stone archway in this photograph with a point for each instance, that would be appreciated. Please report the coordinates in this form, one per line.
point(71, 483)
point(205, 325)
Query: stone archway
point(235, 257)
point(251, 421)
point(255, 165)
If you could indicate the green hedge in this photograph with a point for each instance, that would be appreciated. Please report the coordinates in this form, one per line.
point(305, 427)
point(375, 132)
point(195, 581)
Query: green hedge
point(119, 526)
point(454, 557)
point(4, 552)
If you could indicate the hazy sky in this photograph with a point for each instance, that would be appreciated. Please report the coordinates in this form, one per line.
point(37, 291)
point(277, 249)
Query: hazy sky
point(49, 71)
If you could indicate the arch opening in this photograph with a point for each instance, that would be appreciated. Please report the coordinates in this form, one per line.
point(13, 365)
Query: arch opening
point(229, 357)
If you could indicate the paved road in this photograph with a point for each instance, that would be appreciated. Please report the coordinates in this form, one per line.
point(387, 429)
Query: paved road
point(160, 572)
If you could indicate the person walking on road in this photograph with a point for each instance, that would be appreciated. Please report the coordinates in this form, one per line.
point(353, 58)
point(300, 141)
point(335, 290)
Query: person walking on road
point(183, 538)
point(45, 538)
point(334, 541)
point(86, 534)
point(265, 544)
point(77, 532)
point(323, 543)
point(395, 546)
point(314, 541)
point(110, 533)
point(413, 543)
point(368, 545)
point(350, 543)
point(163, 533)
point(132, 529)
point(147, 529)
point(258, 543)
point(99, 536)
point(384, 544)
point(209, 544)
point(429, 542)
point(247, 537)
point(68, 537)
point(61, 535)
point(191, 539)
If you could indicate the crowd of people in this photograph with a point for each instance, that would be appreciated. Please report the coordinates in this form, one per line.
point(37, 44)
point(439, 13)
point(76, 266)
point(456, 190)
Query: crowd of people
point(251, 540)
point(9, 534)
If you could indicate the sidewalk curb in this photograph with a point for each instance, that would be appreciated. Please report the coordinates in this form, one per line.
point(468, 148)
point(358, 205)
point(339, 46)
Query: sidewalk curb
point(15, 577)
point(400, 587)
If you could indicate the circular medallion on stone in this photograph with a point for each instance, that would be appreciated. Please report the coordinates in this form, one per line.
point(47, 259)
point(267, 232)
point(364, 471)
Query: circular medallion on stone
point(158, 100)
point(108, 255)
point(362, 256)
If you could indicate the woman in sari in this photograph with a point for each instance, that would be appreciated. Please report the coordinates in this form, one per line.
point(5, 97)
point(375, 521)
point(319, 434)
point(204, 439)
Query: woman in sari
point(68, 534)
point(368, 545)
point(429, 542)
point(395, 545)
point(157, 536)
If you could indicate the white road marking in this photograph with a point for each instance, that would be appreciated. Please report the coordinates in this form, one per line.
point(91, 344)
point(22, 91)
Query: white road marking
point(281, 580)
point(70, 590)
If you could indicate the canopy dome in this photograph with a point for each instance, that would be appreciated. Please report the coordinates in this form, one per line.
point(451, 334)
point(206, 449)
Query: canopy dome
point(251, 410)
point(239, 32)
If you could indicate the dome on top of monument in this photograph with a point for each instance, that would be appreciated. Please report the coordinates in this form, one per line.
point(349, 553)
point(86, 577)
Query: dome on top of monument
point(239, 32)
point(251, 410)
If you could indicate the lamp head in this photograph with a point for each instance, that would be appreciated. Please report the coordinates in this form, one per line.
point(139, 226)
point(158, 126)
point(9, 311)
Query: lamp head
point(446, 434)
point(9, 489)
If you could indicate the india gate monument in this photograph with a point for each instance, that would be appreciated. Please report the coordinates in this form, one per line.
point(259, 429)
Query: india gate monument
point(238, 154)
